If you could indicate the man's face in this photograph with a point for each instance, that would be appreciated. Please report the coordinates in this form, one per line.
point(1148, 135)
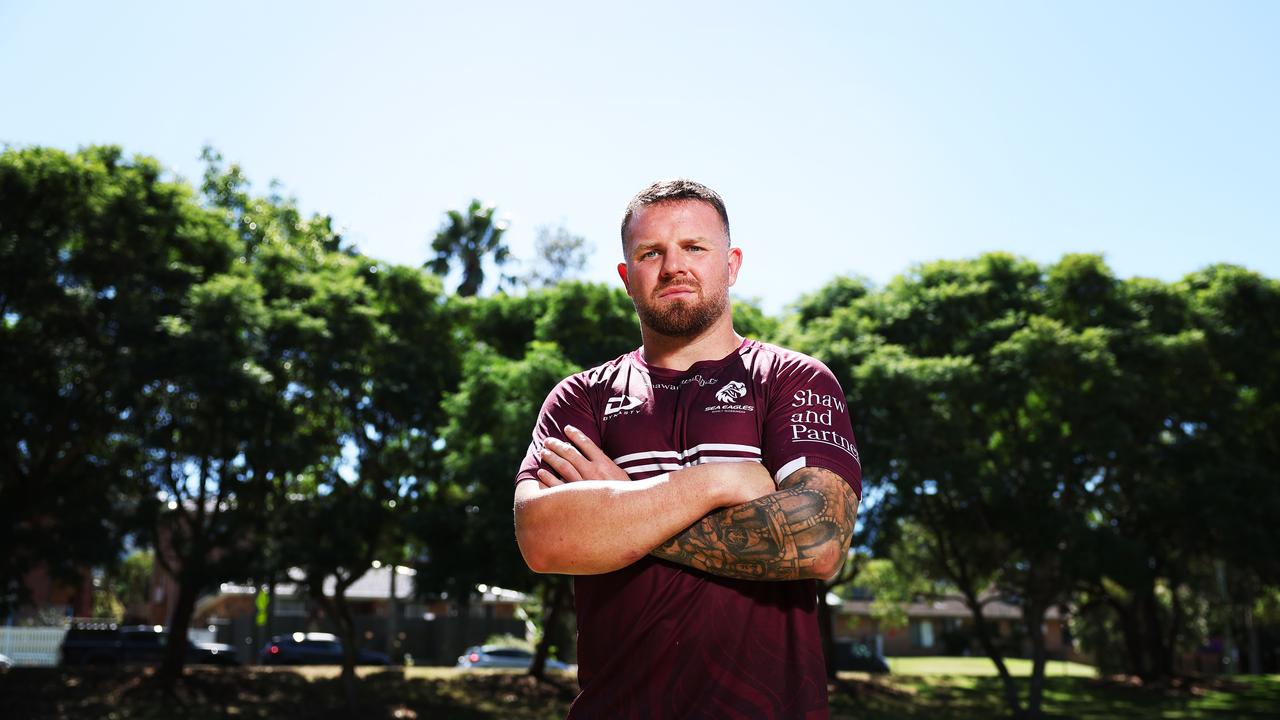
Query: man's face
point(679, 267)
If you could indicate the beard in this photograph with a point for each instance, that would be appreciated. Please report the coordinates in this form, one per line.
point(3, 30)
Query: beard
point(682, 318)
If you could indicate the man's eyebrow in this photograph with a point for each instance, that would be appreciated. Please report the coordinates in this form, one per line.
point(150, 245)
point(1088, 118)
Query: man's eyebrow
point(682, 241)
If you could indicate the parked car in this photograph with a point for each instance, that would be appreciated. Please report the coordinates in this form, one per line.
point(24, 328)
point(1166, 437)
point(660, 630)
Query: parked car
point(102, 643)
point(313, 649)
point(860, 657)
point(498, 656)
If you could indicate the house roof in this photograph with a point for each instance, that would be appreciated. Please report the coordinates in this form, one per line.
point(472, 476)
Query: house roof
point(947, 607)
point(375, 584)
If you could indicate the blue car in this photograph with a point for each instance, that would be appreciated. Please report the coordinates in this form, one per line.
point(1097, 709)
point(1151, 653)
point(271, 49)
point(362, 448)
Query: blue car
point(313, 649)
point(497, 656)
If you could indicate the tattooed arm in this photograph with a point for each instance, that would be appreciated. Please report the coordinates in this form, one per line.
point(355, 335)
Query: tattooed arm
point(587, 517)
point(801, 531)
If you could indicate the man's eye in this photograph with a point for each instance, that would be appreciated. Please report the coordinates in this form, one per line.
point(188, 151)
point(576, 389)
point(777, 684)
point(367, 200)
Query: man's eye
point(648, 254)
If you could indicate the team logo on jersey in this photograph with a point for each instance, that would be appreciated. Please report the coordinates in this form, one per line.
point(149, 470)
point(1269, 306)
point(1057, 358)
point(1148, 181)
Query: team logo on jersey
point(621, 403)
point(733, 391)
point(728, 396)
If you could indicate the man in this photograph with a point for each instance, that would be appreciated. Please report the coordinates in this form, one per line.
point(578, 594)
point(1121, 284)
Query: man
point(696, 487)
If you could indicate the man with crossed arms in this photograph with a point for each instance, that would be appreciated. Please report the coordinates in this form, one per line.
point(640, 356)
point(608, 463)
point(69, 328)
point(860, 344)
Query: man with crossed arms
point(696, 487)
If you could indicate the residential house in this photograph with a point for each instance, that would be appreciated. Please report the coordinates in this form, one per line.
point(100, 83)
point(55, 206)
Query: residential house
point(944, 626)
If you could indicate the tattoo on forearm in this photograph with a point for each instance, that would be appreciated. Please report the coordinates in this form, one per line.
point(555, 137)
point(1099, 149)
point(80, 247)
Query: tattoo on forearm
point(779, 536)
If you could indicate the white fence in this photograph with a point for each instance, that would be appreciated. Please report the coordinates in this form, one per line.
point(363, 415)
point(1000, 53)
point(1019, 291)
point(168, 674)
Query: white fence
point(32, 646)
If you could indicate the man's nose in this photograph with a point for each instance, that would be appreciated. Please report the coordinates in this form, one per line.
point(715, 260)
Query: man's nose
point(673, 264)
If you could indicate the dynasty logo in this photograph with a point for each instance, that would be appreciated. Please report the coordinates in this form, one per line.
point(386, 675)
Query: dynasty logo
point(622, 403)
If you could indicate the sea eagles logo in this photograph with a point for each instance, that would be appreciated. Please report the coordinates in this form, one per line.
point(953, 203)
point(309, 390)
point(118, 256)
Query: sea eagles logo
point(622, 403)
point(731, 392)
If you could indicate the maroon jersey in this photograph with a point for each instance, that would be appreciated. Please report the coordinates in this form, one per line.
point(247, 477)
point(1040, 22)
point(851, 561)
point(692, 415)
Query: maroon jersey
point(660, 640)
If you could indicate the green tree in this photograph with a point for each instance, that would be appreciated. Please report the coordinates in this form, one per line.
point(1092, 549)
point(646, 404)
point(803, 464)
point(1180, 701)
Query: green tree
point(559, 255)
point(1047, 435)
point(900, 579)
point(749, 320)
point(467, 240)
point(202, 422)
point(521, 347)
point(227, 424)
point(95, 249)
point(379, 362)
point(983, 417)
point(130, 582)
point(1239, 313)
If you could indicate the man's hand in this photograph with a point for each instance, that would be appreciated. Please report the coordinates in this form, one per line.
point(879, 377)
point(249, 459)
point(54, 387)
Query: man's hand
point(801, 531)
point(582, 460)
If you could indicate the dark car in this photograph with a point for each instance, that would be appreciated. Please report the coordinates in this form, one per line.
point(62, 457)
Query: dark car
point(496, 656)
point(313, 649)
point(860, 657)
point(106, 643)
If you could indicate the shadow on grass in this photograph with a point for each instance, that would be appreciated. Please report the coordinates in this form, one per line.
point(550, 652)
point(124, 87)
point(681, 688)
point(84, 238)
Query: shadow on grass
point(287, 694)
point(952, 697)
point(275, 693)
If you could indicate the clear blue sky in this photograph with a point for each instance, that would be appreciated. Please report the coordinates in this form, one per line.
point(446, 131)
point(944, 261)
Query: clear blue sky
point(846, 137)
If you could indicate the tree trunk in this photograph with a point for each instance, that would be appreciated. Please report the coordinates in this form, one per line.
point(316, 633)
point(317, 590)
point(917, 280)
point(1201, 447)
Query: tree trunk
point(1033, 618)
point(393, 613)
point(1135, 653)
point(1159, 659)
point(989, 647)
point(1177, 616)
point(339, 614)
point(347, 631)
point(552, 600)
point(1255, 648)
point(175, 653)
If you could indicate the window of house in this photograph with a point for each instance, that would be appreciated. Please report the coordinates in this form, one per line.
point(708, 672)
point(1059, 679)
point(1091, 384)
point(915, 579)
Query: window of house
point(922, 633)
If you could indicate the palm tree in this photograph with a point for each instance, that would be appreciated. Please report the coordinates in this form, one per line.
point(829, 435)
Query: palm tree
point(468, 239)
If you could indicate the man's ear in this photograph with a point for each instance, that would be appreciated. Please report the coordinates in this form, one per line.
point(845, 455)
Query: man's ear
point(735, 262)
point(622, 273)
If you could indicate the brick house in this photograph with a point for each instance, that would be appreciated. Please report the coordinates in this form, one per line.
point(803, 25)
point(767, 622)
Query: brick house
point(944, 626)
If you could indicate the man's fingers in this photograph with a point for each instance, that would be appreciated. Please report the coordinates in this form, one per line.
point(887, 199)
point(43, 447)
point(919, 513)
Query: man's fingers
point(588, 449)
point(562, 467)
point(601, 465)
point(585, 461)
point(548, 478)
point(573, 455)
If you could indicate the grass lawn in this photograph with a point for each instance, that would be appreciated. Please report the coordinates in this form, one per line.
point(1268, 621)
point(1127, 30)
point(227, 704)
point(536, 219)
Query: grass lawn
point(949, 688)
point(981, 666)
point(925, 688)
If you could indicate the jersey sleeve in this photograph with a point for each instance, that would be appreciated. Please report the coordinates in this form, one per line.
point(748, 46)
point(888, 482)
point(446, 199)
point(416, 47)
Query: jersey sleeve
point(807, 424)
point(568, 404)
